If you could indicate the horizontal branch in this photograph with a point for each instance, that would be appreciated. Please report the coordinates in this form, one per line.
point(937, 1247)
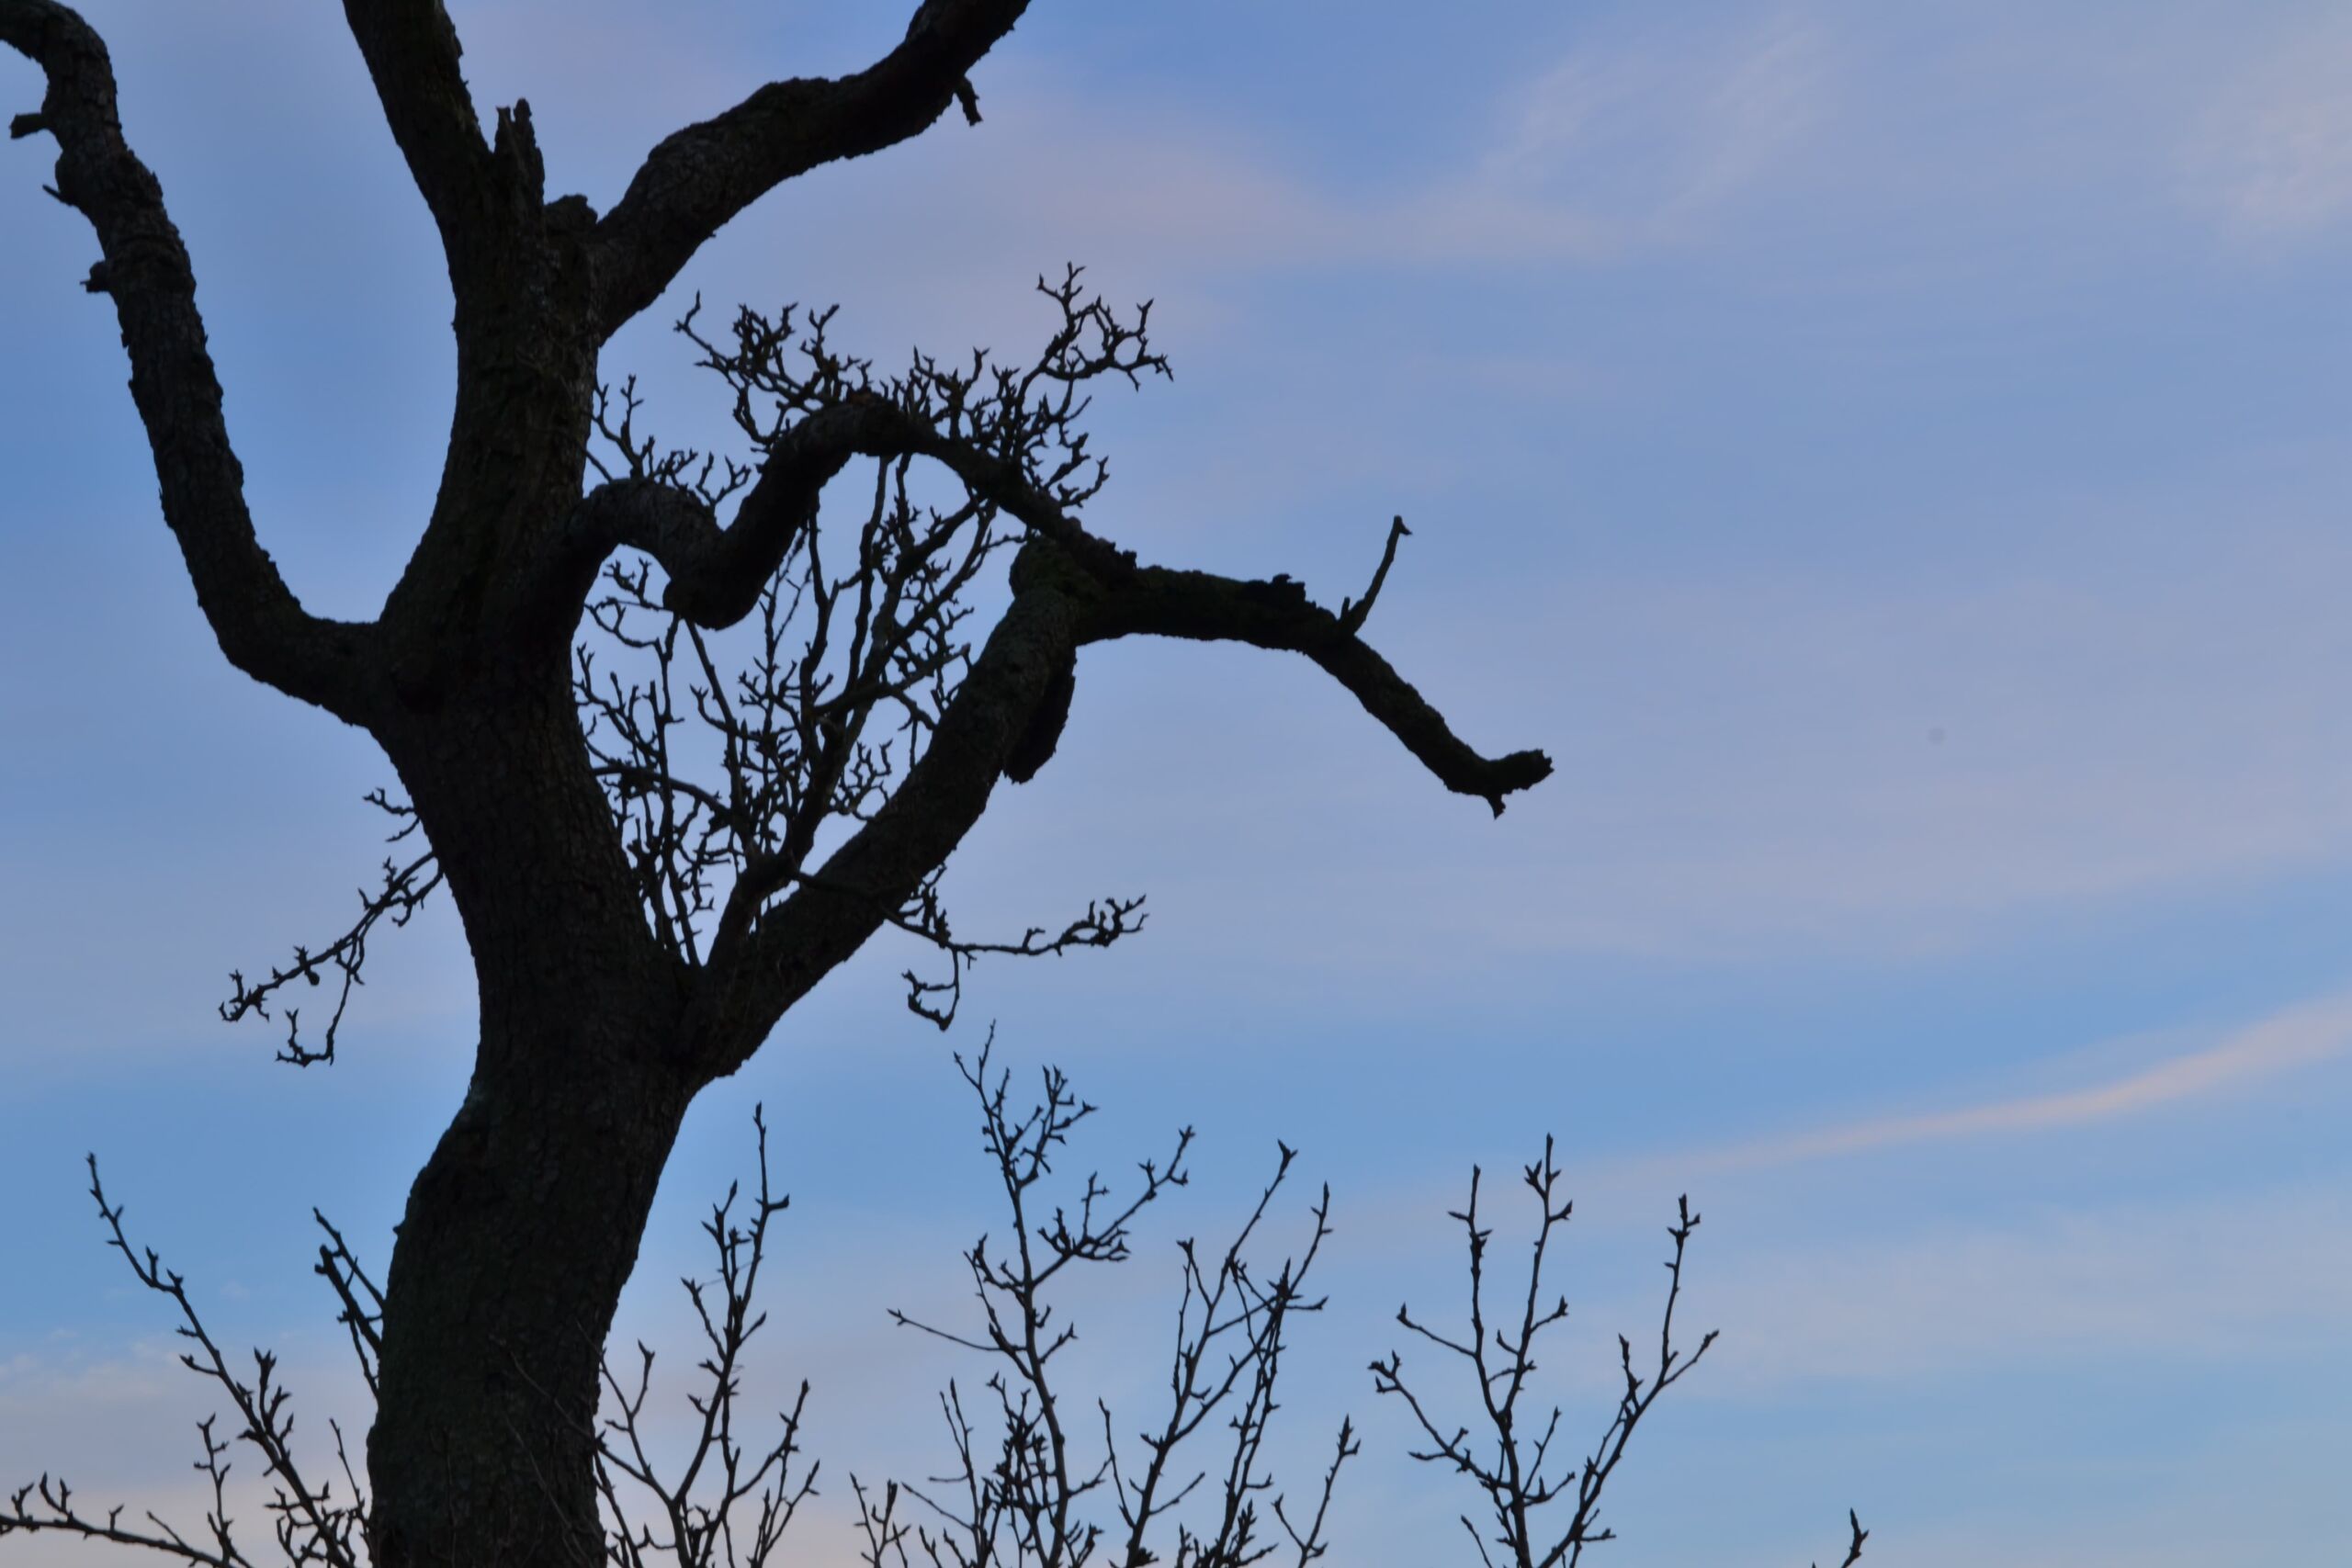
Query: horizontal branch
point(261, 628)
point(1204, 607)
point(698, 178)
point(716, 574)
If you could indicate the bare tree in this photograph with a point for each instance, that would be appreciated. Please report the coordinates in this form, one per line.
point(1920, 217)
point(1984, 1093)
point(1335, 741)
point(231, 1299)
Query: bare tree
point(656, 845)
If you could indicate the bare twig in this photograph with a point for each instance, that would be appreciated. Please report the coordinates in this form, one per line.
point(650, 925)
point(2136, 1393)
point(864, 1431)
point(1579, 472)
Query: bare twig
point(404, 890)
point(310, 1524)
point(1030, 1504)
point(1510, 1462)
point(694, 1517)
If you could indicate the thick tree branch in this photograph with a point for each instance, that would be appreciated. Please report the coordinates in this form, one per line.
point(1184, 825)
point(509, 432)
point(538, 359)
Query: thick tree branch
point(716, 574)
point(145, 270)
point(761, 962)
point(1157, 601)
point(1008, 435)
point(412, 51)
point(698, 178)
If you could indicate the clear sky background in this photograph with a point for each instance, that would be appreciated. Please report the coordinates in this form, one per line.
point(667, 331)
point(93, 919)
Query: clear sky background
point(1892, 457)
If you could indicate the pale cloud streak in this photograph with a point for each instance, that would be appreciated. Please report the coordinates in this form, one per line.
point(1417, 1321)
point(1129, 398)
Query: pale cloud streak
point(2271, 157)
point(2298, 1037)
point(1628, 147)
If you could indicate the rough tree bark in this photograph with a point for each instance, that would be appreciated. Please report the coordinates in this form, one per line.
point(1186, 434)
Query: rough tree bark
point(597, 1032)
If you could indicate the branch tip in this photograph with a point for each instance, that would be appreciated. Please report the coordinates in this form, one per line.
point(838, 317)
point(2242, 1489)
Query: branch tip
point(1351, 613)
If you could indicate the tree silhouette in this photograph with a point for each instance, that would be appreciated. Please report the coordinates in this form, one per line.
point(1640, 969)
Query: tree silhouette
point(677, 738)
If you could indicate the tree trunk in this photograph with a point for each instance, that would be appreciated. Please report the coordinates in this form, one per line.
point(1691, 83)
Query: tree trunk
point(518, 1237)
point(524, 1226)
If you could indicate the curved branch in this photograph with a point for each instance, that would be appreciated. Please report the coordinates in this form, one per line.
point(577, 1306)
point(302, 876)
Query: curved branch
point(716, 574)
point(762, 963)
point(261, 628)
point(698, 178)
point(412, 51)
point(1204, 607)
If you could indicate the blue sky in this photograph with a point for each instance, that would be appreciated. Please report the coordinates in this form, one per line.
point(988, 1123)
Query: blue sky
point(1892, 457)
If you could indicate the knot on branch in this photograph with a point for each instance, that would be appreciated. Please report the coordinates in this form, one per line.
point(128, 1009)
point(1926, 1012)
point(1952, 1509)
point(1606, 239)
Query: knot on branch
point(1281, 592)
point(1043, 565)
point(516, 145)
point(1036, 747)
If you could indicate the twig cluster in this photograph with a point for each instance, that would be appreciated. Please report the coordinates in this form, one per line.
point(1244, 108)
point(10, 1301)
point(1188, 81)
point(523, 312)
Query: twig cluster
point(694, 1517)
point(310, 1523)
point(783, 369)
point(1031, 1490)
point(725, 759)
point(1514, 1472)
point(1021, 1497)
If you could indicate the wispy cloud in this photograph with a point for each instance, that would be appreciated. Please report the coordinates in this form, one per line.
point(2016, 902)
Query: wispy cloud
point(2298, 1037)
point(1618, 147)
point(2271, 157)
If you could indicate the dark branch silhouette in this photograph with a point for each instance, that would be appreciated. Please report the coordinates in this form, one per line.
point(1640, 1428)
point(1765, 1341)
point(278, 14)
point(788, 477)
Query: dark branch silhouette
point(701, 176)
point(692, 1520)
point(404, 890)
point(144, 270)
point(311, 1524)
point(1031, 1495)
point(1510, 1459)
